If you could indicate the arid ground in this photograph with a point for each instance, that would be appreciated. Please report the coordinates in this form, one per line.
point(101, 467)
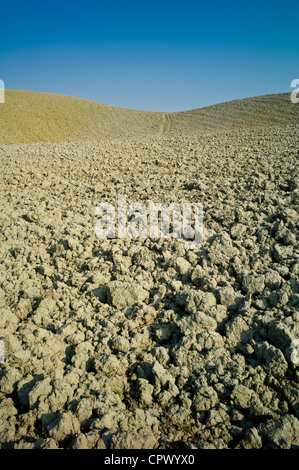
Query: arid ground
point(128, 343)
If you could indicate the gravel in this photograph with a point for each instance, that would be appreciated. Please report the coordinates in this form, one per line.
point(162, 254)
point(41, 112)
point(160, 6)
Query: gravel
point(144, 343)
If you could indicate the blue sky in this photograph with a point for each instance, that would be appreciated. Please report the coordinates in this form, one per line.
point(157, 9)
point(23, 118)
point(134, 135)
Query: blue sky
point(154, 56)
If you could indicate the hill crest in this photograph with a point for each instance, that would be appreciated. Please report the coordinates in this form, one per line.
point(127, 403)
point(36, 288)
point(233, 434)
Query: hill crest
point(28, 117)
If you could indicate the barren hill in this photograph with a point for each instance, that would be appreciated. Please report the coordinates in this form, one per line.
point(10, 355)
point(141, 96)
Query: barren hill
point(27, 117)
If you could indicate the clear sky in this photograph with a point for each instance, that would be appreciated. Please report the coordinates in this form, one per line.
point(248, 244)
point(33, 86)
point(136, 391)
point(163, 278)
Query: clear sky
point(155, 56)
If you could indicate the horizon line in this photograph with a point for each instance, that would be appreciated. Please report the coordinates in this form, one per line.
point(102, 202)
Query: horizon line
point(148, 111)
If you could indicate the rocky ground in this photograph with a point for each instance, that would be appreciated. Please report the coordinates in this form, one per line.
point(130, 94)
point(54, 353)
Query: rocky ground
point(142, 343)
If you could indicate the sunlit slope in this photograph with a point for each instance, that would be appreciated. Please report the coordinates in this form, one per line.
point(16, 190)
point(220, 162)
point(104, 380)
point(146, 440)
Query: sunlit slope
point(41, 117)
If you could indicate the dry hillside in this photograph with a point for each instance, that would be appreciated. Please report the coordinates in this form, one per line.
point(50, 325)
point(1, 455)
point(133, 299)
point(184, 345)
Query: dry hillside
point(27, 117)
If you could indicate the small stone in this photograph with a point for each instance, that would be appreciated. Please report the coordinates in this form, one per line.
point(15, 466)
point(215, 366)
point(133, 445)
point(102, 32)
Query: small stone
point(273, 280)
point(282, 334)
point(125, 294)
point(64, 426)
point(39, 391)
point(197, 323)
point(226, 296)
point(278, 298)
point(181, 265)
point(145, 390)
point(282, 252)
point(289, 214)
point(238, 230)
point(133, 440)
point(282, 433)
point(121, 344)
point(24, 308)
point(110, 365)
point(253, 284)
point(194, 300)
point(205, 399)
point(242, 396)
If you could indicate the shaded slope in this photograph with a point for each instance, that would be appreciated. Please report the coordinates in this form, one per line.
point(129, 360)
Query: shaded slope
point(257, 112)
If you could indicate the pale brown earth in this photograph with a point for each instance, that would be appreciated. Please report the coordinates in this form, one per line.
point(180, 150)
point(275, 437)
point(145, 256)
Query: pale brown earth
point(144, 343)
point(28, 117)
